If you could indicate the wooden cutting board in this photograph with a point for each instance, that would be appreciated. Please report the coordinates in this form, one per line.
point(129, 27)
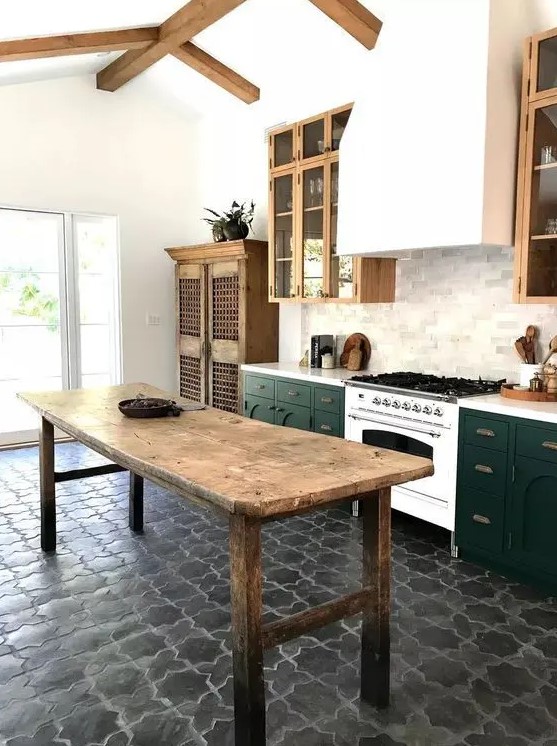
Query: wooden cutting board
point(352, 342)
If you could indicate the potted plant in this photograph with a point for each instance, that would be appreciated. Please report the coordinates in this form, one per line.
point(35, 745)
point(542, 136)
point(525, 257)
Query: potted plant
point(234, 224)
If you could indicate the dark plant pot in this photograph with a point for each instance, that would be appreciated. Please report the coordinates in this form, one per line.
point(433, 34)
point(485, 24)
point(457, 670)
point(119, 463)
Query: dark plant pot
point(235, 231)
point(218, 234)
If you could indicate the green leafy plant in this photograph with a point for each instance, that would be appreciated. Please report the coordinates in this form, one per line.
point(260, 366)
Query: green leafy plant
point(32, 301)
point(238, 213)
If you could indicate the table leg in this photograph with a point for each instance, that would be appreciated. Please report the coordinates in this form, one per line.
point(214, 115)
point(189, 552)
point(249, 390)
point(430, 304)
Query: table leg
point(47, 486)
point(375, 661)
point(247, 643)
point(136, 503)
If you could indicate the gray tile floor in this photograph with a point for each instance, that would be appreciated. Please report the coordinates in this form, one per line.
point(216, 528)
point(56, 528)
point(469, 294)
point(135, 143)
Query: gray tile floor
point(124, 640)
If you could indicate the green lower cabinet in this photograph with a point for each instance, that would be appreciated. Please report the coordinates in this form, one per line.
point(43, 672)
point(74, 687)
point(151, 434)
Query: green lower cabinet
point(289, 415)
point(289, 403)
point(506, 505)
point(534, 514)
point(257, 408)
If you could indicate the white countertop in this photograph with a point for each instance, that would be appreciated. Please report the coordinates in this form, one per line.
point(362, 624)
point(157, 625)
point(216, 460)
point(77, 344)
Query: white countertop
point(330, 377)
point(540, 411)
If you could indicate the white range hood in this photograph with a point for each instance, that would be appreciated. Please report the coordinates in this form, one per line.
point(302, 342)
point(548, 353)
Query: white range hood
point(429, 156)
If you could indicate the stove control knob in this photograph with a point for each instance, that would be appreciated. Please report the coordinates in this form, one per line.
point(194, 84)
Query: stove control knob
point(396, 404)
point(428, 409)
point(386, 402)
point(416, 408)
point(406, 406)
point(377, 401)
point(438, 412)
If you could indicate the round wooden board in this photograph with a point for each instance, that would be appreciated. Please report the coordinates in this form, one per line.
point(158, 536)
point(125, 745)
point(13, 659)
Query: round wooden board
point(352, 341)
point(509, 392)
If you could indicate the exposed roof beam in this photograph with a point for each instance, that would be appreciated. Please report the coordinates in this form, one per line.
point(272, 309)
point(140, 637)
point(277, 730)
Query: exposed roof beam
point(180, 28)
point(60, 46)
point(216, 71)
point(354, 18)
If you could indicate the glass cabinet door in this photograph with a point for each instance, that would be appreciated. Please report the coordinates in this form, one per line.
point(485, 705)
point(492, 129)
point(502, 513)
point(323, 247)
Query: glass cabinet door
point(341, 268)
point(313, 138)
point(282, 235)
point(545, 64)
point(313, 231)
point(282, 147)
point(541, 269)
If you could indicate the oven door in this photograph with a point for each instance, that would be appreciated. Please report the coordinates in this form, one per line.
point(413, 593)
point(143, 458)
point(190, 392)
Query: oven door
point(416, 439)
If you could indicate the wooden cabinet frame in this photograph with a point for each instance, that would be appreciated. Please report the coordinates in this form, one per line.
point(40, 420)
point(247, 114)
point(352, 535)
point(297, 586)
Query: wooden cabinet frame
point(533, 61)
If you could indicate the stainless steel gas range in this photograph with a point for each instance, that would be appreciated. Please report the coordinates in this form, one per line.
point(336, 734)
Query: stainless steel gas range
point(417, 414)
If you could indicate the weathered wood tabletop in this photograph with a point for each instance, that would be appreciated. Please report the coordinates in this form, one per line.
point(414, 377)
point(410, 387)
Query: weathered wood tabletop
point(253, 472)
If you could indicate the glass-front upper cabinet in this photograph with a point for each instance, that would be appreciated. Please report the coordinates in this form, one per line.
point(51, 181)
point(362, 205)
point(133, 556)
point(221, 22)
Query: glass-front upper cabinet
point(543, 72)
point(341, 268)
point(339, 120)
point(319, 137)
point(282, 232)
point(540, 226)
point(283, 148)
point(312, 199)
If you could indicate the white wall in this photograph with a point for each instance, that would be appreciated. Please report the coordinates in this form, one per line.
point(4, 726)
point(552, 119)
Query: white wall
point(67, 146)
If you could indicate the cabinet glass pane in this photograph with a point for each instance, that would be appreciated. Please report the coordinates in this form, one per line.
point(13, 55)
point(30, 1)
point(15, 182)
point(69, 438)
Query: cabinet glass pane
point(547, 64)
point(313, 137)
point(283, 148)
point(342, 267)
point(313, 232)
point(340, 120)
point(542, 256)
point(283, 235)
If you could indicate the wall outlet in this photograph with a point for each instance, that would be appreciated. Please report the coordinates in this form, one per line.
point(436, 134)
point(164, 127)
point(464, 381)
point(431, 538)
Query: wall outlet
point(153, 320)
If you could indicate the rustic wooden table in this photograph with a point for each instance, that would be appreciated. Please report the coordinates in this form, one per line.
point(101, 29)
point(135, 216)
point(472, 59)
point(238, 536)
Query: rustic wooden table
point(253, 472)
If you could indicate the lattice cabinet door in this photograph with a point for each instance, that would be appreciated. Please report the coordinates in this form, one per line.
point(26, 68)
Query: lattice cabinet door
point(225, 333)
point(192, 322)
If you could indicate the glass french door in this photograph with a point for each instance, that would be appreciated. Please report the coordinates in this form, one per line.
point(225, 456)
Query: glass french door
point(59, 320)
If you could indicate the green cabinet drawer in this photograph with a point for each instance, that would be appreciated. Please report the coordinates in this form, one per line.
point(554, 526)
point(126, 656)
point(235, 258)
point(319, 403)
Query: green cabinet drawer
point(290, 415)
point(537, 442)
point(483, 469)
point(479, 520)
point(328, 399)
point(260, 386)
point(257, 408)
point(291, 392)
point(328, 424)
point(481, 431)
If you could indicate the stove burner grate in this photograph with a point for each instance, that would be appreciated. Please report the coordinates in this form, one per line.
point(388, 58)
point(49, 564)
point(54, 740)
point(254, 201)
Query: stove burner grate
point(457, 387)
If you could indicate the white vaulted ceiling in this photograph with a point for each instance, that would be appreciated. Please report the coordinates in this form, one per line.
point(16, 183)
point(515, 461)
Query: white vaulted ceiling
point(279, 45)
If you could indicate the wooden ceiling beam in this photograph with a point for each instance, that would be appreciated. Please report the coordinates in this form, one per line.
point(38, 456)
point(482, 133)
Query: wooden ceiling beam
point(180, 28)
point(69, 44)
point(217, 72)
point(354, 18)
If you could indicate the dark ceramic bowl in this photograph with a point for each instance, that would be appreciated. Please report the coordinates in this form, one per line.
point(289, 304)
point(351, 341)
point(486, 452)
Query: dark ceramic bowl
point(156, 408)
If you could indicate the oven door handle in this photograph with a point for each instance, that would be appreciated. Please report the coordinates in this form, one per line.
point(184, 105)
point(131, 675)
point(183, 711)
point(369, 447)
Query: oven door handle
point(432, 433)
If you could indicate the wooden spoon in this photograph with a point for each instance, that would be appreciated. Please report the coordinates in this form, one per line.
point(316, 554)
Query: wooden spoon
point(552, 349)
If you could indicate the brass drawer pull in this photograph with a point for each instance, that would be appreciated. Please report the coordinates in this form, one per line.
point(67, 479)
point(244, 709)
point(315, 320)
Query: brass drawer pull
point(293, 393)
point(260, 386)
point(328, 428)
point(483, 519)
point(326, 400)
point(485, 432)
point(550, 445)
point(271, 408)
point(483, 469)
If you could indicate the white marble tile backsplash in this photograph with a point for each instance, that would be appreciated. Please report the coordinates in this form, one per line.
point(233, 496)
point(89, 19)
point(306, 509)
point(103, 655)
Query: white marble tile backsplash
point(453, 316)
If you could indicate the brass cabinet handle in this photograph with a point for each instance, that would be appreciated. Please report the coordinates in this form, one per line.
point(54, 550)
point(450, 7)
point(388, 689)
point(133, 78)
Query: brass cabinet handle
point(550, 445)
point(279, 409)
point(328, 428)
point(260, 386)
point(483, 519)
point(326, 400)
point(271, 407)
point(486, 433)
point(293, 393)
point(483, 469)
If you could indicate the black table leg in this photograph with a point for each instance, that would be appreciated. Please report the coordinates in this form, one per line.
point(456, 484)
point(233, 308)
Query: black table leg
point(375, 661)
point(247, 642)
point(136, 503)
point(47, 486)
